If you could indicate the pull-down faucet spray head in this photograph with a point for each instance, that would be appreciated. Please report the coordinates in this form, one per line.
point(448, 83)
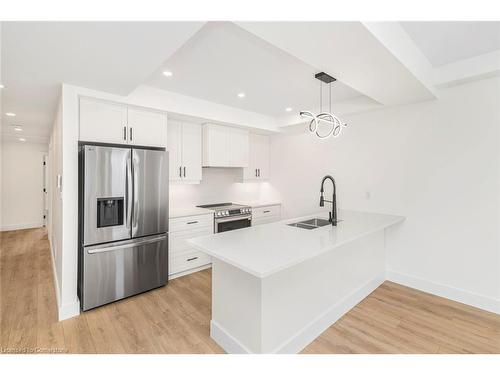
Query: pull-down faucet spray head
point(321, 199)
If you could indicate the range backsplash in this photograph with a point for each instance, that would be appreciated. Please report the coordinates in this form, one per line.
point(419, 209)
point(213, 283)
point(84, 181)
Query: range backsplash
point(219, 185)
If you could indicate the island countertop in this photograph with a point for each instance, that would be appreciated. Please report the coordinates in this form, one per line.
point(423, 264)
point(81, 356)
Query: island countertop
point(266, 249)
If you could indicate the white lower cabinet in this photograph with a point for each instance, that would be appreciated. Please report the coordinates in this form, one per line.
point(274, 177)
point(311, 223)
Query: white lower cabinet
point(266, 214)
point(182, 257)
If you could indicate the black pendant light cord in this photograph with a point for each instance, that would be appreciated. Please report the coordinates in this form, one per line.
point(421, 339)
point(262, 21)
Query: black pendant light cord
point(320, 97)
point(330, 86)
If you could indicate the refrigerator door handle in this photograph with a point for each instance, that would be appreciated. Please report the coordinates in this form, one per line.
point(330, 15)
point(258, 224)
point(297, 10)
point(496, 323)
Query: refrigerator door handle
point(128, 193)
point(135, 199)
point(99, 249)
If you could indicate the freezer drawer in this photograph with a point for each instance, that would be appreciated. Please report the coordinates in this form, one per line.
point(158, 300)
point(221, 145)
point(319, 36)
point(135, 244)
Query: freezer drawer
point(122, 269)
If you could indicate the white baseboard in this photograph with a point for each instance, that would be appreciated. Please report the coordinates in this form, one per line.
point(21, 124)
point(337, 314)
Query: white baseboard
point(310, 332)
point(9, 227)
point(187, 272)
point(68, 310)
point(445, 291)
point(54, 274)
point(307, 334)
point(226, 340)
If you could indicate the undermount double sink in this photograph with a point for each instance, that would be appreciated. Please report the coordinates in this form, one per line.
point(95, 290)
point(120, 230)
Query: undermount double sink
point(311, 223)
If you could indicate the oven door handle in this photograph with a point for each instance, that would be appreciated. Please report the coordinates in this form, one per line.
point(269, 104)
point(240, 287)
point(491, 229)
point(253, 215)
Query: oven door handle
point(233, 218)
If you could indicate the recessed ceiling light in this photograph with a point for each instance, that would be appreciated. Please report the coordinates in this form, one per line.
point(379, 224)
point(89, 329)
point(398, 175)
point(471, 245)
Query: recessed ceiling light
point(288, 109)
point(18, 129)
point(10, 114)
point(168, 73)
point(241, 95)
point(22, 139)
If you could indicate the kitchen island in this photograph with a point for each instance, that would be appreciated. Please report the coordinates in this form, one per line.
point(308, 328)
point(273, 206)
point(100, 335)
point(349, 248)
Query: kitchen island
point(276, 287)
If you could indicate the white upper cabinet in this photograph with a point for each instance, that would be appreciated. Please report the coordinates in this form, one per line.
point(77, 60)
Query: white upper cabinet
point(258, 167)
point(102, 121)
point(184, 146)
point(147, 128)
point(215, 146)
point(238, 148)
point(107, 122)
point(191, 152)
point(224, 146)
point(174, 148)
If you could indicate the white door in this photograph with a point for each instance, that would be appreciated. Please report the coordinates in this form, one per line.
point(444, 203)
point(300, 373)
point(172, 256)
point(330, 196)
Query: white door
point(215, 146)
point(262, 156)
point(147, 128)
point(238, 148)
point(174, 148)
point(191, 152)
point(45, 188)
point(102, 121)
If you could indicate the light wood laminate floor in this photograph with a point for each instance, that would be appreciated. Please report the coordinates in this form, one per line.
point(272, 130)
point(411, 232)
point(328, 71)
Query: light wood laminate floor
point(175, 318)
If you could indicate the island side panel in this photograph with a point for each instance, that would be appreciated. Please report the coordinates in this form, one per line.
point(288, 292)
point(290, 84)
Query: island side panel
point(236, 309)
point(301, 302)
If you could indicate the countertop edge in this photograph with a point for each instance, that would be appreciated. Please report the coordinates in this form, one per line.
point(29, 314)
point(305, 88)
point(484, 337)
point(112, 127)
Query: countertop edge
point(195, 211)
point(396, 220)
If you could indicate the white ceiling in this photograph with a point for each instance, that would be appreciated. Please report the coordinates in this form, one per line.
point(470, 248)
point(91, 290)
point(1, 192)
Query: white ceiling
point(111, 56)
point(447, 42)
point(222, 60)
point(272, 62)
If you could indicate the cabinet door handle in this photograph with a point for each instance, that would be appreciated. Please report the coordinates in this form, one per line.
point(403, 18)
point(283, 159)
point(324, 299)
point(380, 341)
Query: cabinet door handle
point(192, 222)
point(259, 172)
point(184, 171)
point(131, 134)
point(255, 172)
point(266, 211)
point(180, 171)
point(190, 259)
point(124, 133)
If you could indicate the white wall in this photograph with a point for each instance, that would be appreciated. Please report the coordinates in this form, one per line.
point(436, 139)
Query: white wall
point(54, 222)
point(437, 163)
point(22, 185)
point(218, 185)
point(1, 128)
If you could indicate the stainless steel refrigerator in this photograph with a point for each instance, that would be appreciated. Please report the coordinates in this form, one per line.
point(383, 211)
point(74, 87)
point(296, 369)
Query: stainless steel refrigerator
point(123, 208)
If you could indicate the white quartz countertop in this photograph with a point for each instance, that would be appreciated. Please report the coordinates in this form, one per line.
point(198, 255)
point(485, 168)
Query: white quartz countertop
point(256, 204)
point(266, 249)
point(188, 211)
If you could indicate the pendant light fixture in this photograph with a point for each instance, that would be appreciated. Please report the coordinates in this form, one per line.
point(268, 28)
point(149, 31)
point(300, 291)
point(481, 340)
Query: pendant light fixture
point(327, 118)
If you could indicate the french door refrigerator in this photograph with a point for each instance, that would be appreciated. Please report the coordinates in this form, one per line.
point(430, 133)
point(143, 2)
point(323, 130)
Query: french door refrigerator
point(123, 201)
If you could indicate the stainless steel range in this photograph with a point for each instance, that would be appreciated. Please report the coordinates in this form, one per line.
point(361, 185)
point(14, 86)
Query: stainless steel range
point(230, 216)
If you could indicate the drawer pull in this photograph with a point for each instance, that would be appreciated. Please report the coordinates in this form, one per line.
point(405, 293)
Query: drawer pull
point(266, 211)
point(190, 259)
point(192, 222)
